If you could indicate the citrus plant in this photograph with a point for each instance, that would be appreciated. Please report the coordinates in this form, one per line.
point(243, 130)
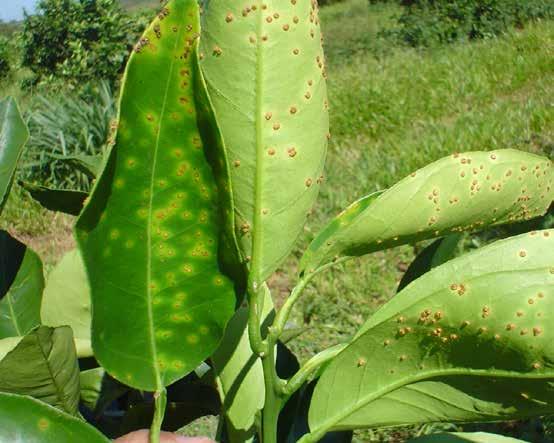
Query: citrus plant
point(216, 164)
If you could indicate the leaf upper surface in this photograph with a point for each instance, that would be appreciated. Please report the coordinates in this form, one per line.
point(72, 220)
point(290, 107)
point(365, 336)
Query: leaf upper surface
point(21, 289)
point(265, 72)
point(463, 192)
point(149, 235)
point(485, 315)
point(44, 365)
point(13, 136)
point(25, 419)
point(66, 299)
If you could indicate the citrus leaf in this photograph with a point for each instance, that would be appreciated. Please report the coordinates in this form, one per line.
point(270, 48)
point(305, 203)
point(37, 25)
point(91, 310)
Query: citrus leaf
point(479, 323)
point(13, 136)
point(25, 419)
point(149, 234)
point(239, 372)
point(90, 382)
point(437, 253)
point(465, 437)
point(21, 285)
point(60, 200)
point(265, 72)
point(462, 192)
point(44, 365)
point(66, 299)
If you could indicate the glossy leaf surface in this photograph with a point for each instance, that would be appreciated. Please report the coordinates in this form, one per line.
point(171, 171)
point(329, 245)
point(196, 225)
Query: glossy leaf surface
point(266, 78)
point(66, 299)
point(22, 282)
point(24, 419)
point(479, 325)
point(465, 437)
point(149, 235)
point(13, 136)
point(463, 192)
point(44, 365)
point(60, 200)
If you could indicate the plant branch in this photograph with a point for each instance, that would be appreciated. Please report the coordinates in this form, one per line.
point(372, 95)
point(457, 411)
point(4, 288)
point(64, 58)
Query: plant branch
point(311, 366)
point(284, 313)
point(160, 398)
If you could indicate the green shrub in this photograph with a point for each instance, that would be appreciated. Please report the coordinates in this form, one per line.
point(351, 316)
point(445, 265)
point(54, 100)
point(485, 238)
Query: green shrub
point(4, 57)
point(77, 40)
point(67, 130)
point(428, 22)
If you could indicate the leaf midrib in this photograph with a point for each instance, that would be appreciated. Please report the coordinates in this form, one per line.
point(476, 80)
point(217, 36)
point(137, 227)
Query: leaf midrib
point(364, 401)
point(159, 384)
point(257, 232)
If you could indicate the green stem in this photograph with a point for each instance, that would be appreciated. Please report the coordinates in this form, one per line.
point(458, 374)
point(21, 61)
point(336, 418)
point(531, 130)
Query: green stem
point(259, 347)
point(160, 398)
point(273, 399)
point(284, 313)
point(312, 365)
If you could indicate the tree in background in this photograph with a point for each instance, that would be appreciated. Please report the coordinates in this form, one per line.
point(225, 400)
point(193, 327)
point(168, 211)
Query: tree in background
point(78, 40)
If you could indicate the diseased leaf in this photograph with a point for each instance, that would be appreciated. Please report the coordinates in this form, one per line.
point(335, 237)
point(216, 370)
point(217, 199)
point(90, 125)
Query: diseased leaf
point(149, 235)
point(13, 136)
point(21, 285)
point(465, 437)
point(66, 299)
point(25, 419)
point(478, 324)
point(293, 419)
point(463, 192)
point(265, 72)
point(60, 200)
point(437, 253)
point(44, 365)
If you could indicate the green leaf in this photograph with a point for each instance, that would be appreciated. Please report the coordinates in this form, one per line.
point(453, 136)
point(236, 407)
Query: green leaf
point(463, 192)
point(239, 372)
point(266, 78)
point(21, 285)
point(90, 382)
point(60, 200)
point(149, 235)
point(478, 325)
point(13, 136)
point(44, 365)
point(24, 419)
point(465, 437)
point(89, 165)
point(437, 253)
point(66, 299)
point(7, 344)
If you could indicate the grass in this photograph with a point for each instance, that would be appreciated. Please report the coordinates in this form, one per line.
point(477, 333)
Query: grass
point(393, 110)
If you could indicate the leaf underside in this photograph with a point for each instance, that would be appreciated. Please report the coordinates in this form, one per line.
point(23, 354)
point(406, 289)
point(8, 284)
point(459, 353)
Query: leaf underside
point(264, 68)
point(468, 341)
point(465, 437)
point(22, 282)
point(25, 419)
point(13, 136)
point(462, 192)
point(44, 365)
point(149, 235)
